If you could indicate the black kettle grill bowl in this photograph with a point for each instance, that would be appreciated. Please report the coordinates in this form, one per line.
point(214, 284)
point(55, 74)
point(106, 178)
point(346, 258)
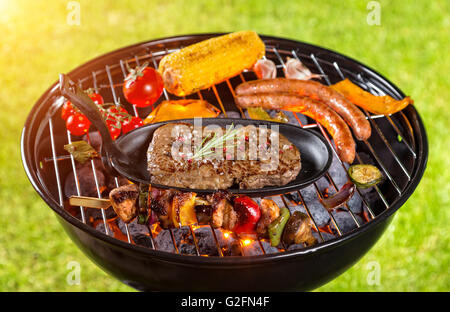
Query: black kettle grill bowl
point(302, 269)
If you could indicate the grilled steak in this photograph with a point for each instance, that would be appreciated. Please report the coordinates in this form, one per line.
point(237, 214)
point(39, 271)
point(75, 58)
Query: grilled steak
point(250, 163)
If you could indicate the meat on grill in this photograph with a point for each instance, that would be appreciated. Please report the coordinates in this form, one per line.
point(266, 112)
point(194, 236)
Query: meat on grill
point(223, 213)
point(269, 212)
point(223, 173)
point(123, 200)
point(160, 203)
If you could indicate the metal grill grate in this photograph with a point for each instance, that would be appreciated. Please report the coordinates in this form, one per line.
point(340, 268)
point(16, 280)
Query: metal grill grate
point(115, 73)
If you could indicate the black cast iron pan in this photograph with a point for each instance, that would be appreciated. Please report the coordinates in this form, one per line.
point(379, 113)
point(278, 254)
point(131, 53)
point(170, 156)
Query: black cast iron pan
point(128, 155)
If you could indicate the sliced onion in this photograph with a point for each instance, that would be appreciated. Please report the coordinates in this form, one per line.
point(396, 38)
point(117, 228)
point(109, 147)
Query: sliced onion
point(345, 193)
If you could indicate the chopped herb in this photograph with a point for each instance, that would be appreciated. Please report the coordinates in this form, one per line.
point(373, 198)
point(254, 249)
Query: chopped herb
point(81, 151)
point(208, 148)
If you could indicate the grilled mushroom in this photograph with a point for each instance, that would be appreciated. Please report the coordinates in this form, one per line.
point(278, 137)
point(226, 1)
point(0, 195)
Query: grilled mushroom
point(298, 230)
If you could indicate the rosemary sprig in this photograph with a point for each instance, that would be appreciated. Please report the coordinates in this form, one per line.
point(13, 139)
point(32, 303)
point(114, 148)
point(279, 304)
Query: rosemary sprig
point(214, 142)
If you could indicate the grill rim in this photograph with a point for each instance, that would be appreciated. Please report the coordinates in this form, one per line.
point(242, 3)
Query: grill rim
point(32, 175)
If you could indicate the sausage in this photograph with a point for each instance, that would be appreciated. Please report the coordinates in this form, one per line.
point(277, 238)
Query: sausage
point(327, 117)
point(315, 90)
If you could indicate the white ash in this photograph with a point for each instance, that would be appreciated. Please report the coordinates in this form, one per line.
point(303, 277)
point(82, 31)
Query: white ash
point(134, 228)
point(101, 228)
point(268, 248)
point(345, 221)
point(318, 212)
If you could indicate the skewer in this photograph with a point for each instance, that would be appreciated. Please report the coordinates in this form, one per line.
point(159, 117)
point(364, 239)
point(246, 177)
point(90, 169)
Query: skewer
point(90, 202)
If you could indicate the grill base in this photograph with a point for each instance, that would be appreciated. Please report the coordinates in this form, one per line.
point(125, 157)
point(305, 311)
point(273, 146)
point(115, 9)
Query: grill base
point(155, 273)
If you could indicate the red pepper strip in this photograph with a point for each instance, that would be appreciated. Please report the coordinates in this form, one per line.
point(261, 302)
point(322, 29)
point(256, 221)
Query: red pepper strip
point(248, 215)
point(340, 198)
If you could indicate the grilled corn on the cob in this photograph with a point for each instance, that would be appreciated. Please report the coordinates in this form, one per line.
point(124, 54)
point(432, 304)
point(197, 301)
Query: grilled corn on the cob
point(209, 62)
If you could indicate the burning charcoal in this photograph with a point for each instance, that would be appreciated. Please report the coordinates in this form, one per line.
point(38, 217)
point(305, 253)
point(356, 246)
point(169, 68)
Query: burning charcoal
point(86, 182)
point(101, 227)
point(251, 248)
point(229, 244)
point(269, 248)
point(187, 249)
point(164, 241)
point(230, 114)
point(184, 240)
point(293, 209)
point(345, 221)
point(337, 172)
point(318, 212)
point(181, 234)
point(324, 186)
point(326, 236)
point(371, 196)
point(294, 197)
point(95, 214)
point(355, 203)
point(143, 240)
point(134, 228)
point(206, 242)
point(292, 206)
point(295, 247)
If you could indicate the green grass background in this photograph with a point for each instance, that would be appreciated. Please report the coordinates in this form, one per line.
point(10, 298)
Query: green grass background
point(411, 47)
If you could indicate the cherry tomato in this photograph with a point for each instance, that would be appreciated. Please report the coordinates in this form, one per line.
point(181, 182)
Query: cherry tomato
point(78, 124)
point(114, 131)
point(143, 86)
point(97, 98)
point(116, 110)
point(67, 110)
point(133, 123)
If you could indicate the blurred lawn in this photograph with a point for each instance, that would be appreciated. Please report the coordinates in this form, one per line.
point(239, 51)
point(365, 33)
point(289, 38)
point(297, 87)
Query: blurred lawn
point(410, 47)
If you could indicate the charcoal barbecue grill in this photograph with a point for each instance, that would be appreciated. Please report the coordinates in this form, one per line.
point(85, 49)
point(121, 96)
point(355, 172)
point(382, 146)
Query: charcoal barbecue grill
point(398, 146)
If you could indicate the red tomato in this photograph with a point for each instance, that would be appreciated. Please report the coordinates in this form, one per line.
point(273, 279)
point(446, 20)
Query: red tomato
point(116, 110)
point(67, 110)
point(143, 86)
point(114, 131)
point(249, 214)
point(133, 123)
point(78, 124)
point(97, 98)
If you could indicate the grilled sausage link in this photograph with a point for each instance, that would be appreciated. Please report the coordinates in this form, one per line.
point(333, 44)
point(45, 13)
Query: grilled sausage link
point(314, 90)
point(327, 117)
